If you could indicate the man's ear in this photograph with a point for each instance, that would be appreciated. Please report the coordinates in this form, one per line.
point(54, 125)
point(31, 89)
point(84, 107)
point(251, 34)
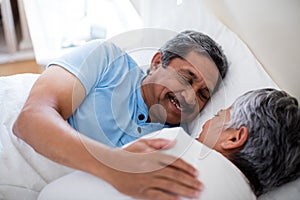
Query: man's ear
point(236, 138)
point(156, 61)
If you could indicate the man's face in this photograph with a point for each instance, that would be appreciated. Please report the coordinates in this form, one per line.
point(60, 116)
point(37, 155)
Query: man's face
point(213, 132)
point(178, 92)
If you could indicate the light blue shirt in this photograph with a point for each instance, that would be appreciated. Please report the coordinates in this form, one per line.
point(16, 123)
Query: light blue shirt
point(113, 111)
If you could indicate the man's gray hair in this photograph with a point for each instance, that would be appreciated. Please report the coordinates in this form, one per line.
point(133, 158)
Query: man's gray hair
point(271, 154)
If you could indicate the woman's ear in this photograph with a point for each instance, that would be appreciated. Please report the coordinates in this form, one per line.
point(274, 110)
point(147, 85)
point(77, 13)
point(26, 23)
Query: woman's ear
point(156, 61)
point(236, 139)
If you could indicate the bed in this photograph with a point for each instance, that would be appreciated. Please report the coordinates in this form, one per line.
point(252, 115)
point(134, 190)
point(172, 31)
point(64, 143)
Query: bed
point(31, 176)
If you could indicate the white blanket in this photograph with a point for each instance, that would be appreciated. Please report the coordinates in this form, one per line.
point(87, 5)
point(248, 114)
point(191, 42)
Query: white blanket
point(221, 178)
point(23, 172)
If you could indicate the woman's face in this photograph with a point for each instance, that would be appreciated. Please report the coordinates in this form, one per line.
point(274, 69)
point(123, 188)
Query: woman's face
point(178, 92)
point(213, 132)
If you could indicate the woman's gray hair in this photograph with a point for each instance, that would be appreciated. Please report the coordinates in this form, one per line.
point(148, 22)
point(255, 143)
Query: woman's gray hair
point(187, 41)
point(271, 154)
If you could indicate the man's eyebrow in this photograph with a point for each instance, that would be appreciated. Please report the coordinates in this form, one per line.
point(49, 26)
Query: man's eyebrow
point(196, 78)
point(191, 73)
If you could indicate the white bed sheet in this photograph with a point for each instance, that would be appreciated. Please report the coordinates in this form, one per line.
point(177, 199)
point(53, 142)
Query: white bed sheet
point(23, 172)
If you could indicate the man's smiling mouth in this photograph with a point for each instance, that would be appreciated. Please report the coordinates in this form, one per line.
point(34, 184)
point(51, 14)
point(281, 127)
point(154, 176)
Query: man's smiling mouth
point(180, 106)
point(175, 101)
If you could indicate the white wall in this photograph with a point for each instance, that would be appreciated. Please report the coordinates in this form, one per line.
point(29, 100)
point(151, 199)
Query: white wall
point(271, 29)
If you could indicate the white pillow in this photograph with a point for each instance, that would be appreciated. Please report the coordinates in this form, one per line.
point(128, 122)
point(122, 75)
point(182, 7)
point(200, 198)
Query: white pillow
point(23, 172)
point(221, 178)
point(289, 191)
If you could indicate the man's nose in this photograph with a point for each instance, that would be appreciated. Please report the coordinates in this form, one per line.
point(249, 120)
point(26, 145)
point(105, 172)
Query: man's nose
point(189, 96)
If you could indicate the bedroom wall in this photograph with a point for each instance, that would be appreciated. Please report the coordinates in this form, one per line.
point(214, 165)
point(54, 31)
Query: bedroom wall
point(271, 29)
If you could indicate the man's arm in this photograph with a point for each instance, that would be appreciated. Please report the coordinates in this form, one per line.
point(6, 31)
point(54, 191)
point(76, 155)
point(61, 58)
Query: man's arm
point(42, 124)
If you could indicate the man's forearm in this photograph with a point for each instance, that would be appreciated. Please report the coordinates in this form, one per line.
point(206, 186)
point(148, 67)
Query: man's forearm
point(50, 135)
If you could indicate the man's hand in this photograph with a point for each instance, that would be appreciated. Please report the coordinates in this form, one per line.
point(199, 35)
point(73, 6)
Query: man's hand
point(142, 172)
point(149, 145)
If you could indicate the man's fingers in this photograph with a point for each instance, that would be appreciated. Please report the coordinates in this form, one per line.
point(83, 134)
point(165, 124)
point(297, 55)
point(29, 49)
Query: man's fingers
point(179, 164)
point(181, 177)
point(149, 145)
point(160, 143)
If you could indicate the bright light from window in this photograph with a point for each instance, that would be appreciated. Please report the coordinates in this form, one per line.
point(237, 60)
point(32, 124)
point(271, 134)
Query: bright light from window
point(179, 2)
point(89, 19)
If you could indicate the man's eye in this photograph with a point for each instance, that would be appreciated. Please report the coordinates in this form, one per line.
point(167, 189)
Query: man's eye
point(204, 94)
point(183, 79)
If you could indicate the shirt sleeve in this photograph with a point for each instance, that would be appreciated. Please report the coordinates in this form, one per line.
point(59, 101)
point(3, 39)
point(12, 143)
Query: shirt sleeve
point(89, 62)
